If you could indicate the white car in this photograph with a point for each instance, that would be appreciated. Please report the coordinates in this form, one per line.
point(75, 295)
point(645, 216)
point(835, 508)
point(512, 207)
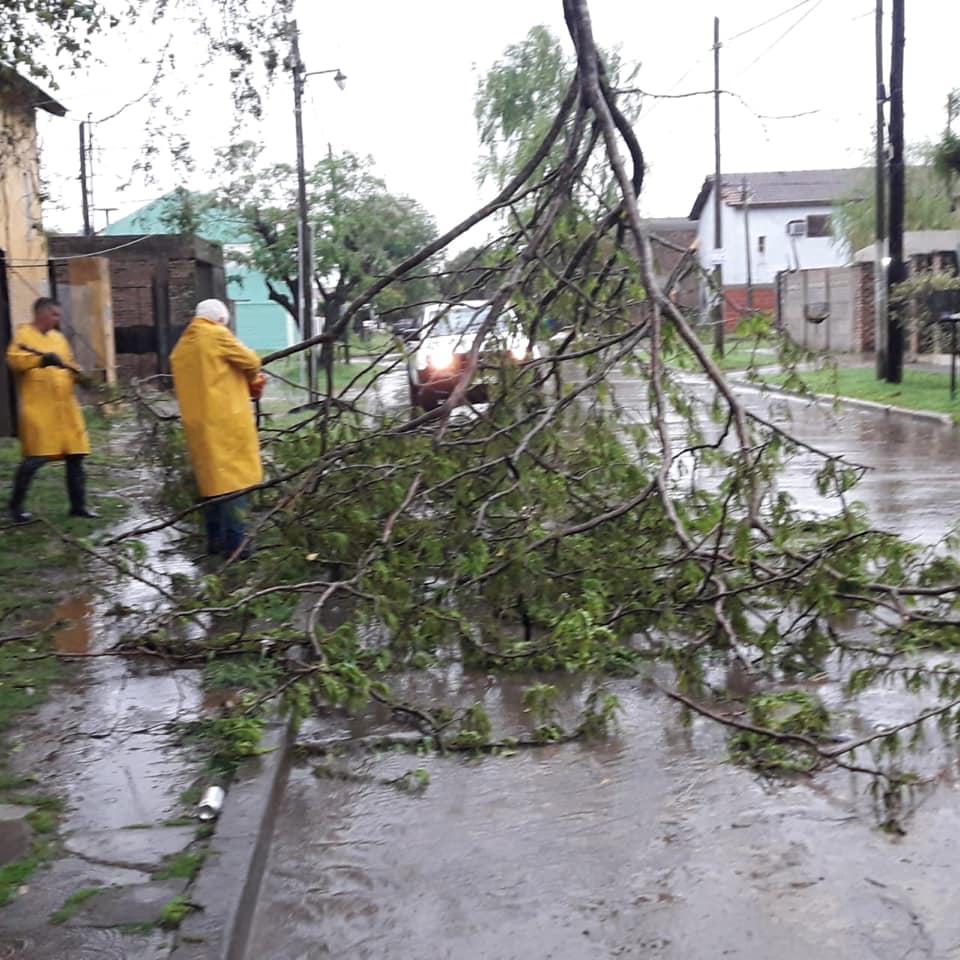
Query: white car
point(445, 338)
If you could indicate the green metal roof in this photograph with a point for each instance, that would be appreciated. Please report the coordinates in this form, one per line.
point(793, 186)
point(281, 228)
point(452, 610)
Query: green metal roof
point(158, 217)
point(261, 323)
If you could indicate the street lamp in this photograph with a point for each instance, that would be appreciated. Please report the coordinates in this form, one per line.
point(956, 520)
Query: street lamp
point(305, 259)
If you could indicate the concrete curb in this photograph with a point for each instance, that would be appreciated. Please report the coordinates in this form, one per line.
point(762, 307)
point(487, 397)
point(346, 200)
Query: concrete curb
point(228, 885)
point(942, 418)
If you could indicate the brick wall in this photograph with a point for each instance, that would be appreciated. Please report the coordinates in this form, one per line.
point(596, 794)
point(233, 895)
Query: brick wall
point(183, 294)
point(864, 317)
point(156, 285)
point(735, 303)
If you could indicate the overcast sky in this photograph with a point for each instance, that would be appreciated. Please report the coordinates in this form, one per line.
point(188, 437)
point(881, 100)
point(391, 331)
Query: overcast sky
point(413, 69)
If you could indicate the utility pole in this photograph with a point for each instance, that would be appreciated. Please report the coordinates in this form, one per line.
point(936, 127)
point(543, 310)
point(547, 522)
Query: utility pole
point(87, 229)
point(90, 168)
point(106, 211)
point(745, 198)
point(898, 270)
point(718, 311)
point(880, 202)
point(304, 267)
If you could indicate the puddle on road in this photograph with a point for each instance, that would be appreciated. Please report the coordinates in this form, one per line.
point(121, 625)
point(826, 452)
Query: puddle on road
point(76, 615)
point(646, 845)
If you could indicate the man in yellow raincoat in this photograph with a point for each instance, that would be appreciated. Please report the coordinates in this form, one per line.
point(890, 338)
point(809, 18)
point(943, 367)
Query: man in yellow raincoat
point(51, 425)
point(214, 376)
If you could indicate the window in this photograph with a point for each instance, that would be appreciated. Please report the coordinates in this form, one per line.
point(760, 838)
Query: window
point(819, 225)
point(761, 245)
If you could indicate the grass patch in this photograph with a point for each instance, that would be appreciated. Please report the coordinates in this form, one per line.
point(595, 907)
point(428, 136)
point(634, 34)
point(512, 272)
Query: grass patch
point(183, 821)
point(173, 913)
point(43, 822)
point(752, 345)
point(32, 547)
point(182, 865)
point(294, 370)
point(42, 801)
point(741, 354)
point(178, 822)
point(15, 875)
point(73, 903)
point(15, 781)
point(26, 672)
point(191, 796)
point(920, 389)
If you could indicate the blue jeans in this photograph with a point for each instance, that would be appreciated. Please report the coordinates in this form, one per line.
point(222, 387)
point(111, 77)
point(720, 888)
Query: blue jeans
point(224, 520)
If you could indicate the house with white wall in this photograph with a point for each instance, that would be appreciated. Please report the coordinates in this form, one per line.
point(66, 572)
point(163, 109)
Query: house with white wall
point(771, 221)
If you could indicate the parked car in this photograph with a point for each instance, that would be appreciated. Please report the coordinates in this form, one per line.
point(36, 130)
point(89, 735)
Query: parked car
point(445, 337)
point(403, 326)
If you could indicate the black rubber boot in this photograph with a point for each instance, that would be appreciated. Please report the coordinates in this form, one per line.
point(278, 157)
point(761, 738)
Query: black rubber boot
point(22, 479)
point(77, 489)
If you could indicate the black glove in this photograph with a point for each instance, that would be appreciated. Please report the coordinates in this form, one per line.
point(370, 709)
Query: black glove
point(51, 360)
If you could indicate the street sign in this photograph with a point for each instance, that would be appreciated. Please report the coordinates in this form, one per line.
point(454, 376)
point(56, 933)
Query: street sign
point(717, 257)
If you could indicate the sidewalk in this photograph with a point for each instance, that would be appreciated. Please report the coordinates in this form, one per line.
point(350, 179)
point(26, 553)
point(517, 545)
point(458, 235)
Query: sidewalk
point(100, 747)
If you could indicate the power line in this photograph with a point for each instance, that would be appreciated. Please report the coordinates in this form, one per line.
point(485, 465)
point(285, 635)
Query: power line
point(782, 36)
point(776, 16)
point(158, 74)
point(83, 256)
point(742, 33)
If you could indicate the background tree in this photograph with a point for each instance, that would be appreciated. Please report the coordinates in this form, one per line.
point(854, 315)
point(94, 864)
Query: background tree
point(62, 29)
point(473, 273)
point(521, 95)
point(929, 205)
point(516, 104)
point(946, 154)
point(517, 100)
point(37, 35)
point(360, 229)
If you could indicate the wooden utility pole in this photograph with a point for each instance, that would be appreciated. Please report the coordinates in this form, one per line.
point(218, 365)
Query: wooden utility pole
point(718, 311)
point(84, 196)
point(880, 202)
point(898, 270)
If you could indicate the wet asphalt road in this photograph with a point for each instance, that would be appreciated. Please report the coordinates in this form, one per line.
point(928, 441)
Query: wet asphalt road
point(650, 845)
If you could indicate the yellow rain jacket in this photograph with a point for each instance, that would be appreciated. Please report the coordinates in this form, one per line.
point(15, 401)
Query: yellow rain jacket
point(212, 371)
point(51, 424)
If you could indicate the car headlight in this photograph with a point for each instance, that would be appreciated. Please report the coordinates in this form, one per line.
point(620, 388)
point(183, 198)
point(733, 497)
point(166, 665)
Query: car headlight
point(440, 359)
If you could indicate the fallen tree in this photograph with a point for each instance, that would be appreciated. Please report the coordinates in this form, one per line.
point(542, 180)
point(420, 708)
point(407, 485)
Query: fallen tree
point(568, 525)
